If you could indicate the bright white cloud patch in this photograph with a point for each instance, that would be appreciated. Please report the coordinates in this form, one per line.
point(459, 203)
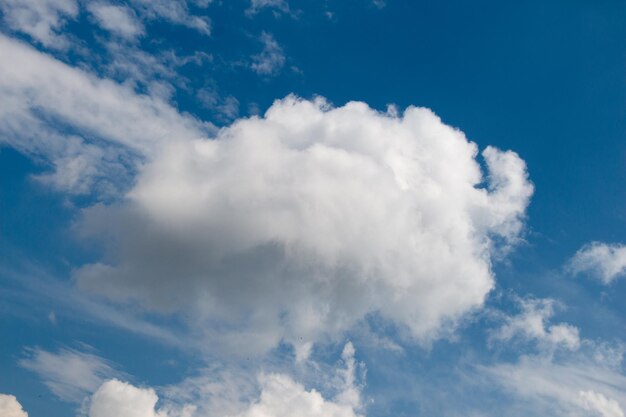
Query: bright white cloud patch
point(532, 325)
point(602, 406)
point(297, 225)
point(120, 399)
point(116, 19)
point(10, 407)
point(604, 261)
point(282, 397)
point(69, 374)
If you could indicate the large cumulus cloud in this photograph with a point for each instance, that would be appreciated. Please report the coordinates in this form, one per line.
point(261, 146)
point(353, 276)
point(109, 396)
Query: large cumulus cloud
point(296, 225)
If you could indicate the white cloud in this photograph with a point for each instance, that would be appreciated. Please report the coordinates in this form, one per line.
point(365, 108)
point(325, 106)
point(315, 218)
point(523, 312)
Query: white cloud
point(119, 20)
point(69, 374)
point(43, 99)
point(350, 379)
point(174, 11)
point(604, 407)
point(10, 407)
point(282, 397)
point(120, 399)
point(573, 388)
point(296, 226)
point(40, 19)
point(278, 6)
point(271, 59)
point(531, 325)
point(583, 380)
point(222, 393)
point(606, 262)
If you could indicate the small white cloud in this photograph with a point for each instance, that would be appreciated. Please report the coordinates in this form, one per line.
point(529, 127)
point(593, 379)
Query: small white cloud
point(350, 379)
point(600, 405)
point(10, 407)
point(174, 11)
point(278, 6)
point(271, 59)
point(119, 20)
point(42, 20)
point(532, 325)
point(69, 374)
point(604, 261)
point(283, 397)
point(120, 399)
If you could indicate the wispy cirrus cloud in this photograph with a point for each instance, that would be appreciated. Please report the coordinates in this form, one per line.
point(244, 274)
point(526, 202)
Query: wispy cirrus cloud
point(89, 129)
point(271, 59)
point(119, 20)
point(70, 374)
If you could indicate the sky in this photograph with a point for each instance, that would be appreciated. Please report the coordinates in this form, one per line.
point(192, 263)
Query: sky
point(315, 208)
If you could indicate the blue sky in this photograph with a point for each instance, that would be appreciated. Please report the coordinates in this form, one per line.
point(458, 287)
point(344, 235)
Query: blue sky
point(281, 208)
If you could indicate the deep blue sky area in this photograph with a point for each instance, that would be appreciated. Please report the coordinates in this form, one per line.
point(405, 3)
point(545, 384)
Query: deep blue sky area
point(545, 79)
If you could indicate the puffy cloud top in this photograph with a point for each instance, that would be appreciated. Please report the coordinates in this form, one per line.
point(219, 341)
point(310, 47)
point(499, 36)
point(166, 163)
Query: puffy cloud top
point(10, 407)
point(282, 397)
point(296, 225)
point(69, 374)
point(120, 399)
point(605, 262)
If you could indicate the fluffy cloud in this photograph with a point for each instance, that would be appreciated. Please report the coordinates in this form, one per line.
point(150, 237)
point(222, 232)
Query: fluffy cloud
point(282, 397)
point(40, 19)
point(69, 374)
point(10, 407)
point(297, 225)
point(603, 261)
point(273, 394)
point(531, 325)
point(120, 399)
point(119, 20)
